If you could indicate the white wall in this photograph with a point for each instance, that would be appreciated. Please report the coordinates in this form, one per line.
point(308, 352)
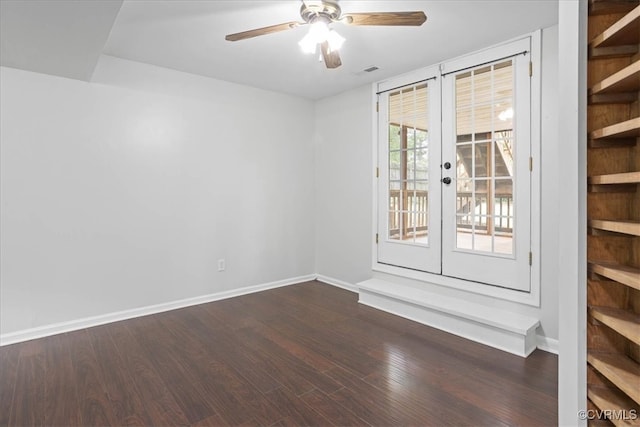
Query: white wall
point(572, 363)
point(344, 193)
point(124, 192)
point(344, 185)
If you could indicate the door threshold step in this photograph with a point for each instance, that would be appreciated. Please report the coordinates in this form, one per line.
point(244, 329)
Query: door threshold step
point(501, 329)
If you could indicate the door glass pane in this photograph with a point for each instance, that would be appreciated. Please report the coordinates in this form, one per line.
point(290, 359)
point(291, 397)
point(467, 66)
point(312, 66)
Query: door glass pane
point(408, 149)
point(482, 159)
point(410, 164)
point(464, 154)
point(394, 225)
point(394, 137)
point(464, 232)
point(464, 201)
point(485, 145)
point(503, 155)
point(394, 165)
point(503, 220)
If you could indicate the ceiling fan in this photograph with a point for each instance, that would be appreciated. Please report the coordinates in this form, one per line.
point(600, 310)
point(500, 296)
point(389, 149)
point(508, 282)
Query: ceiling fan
point(319, 15)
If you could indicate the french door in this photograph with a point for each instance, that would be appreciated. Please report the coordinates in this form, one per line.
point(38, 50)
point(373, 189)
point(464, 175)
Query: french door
point(409, 193)
point(454, 175)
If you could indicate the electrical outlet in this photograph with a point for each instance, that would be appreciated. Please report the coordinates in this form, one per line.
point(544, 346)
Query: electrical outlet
point(221, 264)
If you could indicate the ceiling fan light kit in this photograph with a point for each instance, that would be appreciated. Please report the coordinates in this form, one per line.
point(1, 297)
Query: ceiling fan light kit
point(319, 33)
point(319, 15)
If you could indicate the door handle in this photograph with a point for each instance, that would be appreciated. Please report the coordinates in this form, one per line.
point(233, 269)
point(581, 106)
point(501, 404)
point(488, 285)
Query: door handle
point(447, 165)
point(446, 180)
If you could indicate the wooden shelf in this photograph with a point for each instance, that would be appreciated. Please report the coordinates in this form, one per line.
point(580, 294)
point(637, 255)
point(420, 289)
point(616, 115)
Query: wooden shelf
point(620, 370)
point(614, 188)
point(615, 178)
point(625, 227)
point(626, 129)
point(624, 32)
point(615, 401)
point(605, 7)
point(619, 273)
point(624, 322)
point(625, 80)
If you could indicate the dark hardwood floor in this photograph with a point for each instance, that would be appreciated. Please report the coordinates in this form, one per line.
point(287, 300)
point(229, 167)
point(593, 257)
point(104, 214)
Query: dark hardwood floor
point(307, 354)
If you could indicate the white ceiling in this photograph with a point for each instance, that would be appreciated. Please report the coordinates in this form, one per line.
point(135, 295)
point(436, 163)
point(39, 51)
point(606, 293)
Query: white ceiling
point(65, 38)
point(59, 37)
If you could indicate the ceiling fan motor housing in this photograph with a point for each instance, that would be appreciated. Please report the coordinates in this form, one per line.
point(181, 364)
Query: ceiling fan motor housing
point(325, 10)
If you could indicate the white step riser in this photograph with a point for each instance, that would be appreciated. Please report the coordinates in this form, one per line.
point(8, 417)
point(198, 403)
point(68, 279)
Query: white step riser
point(521, 344)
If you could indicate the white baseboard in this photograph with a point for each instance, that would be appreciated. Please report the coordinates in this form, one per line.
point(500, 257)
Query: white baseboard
point(74, 325)
point(547, 344)
point(337, 282)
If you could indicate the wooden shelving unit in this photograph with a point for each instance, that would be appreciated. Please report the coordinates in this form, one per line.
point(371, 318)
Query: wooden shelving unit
point(615, 400)
point(613, 210)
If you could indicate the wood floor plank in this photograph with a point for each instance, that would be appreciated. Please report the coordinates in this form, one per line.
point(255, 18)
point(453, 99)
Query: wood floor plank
point(337, 414)
point(304, 301)
point(328, 343)
point(234, 396)
point(61, 395)
point(221, 345)
point(28, 396)
point(9, 356)
point(224, 314)
point(241, 396)
point(366, 402)
point(158, 400)
point(297, 412)
point(306, 354)
point(212, 421)
point(173, 361)
point(93, 404)
point(122, 394)
point(296, 368)
point(293, 347)
point(458, 393)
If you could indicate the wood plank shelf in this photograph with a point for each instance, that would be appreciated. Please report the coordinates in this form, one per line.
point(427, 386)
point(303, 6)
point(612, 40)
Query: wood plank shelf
point(613, 52)
point(616, 402)
point(620, 370)
point(613, 188)
point(624, 322)
point(625, 80)
point(605, 7)
point(625, 227)
point(615, 178)
point(624, 32)
point(613, 98)
point(626, 129)
point(619, 273)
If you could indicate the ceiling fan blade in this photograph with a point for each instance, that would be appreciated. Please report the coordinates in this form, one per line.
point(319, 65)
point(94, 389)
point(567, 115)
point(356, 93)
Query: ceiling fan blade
point(385, 18)
point(331, 59)
point(262, 31)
